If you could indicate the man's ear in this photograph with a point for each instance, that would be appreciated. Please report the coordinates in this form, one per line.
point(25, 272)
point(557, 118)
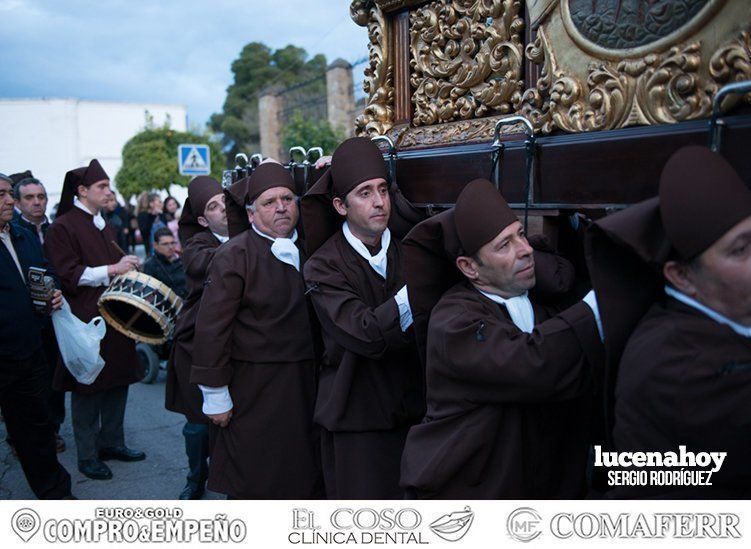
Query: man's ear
point(680, 276)
point(82, 191)
point(339, 206)
point(468, 267)
point(202, 221)
point(250, 214)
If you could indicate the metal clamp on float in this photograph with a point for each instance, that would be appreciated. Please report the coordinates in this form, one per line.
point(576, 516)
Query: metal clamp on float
point(530, 146)
point(717, 124)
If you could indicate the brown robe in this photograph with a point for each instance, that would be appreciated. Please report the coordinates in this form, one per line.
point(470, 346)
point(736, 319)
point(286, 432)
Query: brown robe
point(72, 244)
point(508, 412)
point(181, 396)
point(685, 379)
point(254, 333)
point(371, 378)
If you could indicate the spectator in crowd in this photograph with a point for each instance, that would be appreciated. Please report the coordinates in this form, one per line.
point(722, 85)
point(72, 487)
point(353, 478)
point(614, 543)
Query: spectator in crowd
point(112, 214)
point(31, 200)
point(171, 207)
point(22, 361)
point(164, 264)
point(150, 212)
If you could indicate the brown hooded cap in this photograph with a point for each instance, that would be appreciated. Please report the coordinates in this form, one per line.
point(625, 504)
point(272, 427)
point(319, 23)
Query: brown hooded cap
point(481, 214)
point(356, 160)
point(85, 176)
point(267, 176)
point(701, 198)
point(201, 189)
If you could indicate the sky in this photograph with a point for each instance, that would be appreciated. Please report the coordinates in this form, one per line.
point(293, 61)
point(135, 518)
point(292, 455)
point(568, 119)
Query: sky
point(165, 51)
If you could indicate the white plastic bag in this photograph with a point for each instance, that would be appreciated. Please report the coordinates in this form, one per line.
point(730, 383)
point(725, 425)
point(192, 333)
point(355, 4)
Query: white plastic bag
point(79, 343)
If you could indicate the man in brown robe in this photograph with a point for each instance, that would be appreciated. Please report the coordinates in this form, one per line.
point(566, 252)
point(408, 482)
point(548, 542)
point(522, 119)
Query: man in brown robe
point(673, 275)
point(508, 379)
point(371, 390)
point(202, 228)
point(79, 244)
point(254, 355)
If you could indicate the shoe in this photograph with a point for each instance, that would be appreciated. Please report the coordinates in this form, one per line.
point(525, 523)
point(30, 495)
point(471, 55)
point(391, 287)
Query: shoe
point(191, 492)
point(94, 469)
point(59, 444)
point(121, 453)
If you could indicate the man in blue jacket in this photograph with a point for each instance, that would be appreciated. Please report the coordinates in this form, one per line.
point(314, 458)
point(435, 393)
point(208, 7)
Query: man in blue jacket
point(22, 361)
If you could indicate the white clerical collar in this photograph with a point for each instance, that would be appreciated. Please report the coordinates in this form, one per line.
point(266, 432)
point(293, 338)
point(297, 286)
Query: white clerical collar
point(283, 249)
point(220, 237)
point(519, 309)
point(739, 329)
point(99, 222)
point(379, 261)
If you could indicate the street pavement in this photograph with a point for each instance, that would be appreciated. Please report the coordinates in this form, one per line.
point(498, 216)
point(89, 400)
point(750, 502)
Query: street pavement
point(148, 427)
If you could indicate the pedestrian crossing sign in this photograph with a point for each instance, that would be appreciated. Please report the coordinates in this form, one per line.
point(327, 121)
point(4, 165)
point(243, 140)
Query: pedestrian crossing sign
point(194, 159)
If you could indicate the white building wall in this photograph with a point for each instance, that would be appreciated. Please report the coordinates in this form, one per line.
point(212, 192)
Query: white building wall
point(52, 136)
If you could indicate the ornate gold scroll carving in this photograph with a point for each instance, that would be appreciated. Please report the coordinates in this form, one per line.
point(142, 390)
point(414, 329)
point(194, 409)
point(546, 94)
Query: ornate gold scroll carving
point(466, 59)
point(378, 116)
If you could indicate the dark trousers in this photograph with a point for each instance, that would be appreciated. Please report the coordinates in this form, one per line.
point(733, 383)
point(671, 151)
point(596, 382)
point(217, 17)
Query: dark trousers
point(98, 420)
point(55, 399)
point(197, 449)
point(362, 465)
point(23, 399)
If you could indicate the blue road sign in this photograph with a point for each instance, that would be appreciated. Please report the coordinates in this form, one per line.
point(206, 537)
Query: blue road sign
point(194, 159)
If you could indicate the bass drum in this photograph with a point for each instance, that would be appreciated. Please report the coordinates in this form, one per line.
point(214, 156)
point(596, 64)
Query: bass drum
point(141, 307)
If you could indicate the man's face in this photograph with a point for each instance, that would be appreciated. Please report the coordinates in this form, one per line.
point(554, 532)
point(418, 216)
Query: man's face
point(32, 202)
point(166, 246)
point(505, 265)
point(96, 195)
point(214, 215)
point(6, 203)
point(111, 204)
point(276, 212)
point(721, 277)
point(367, 208)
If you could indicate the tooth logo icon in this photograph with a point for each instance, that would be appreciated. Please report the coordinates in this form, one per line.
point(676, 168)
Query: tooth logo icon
point(25, 523)
point(454, 526)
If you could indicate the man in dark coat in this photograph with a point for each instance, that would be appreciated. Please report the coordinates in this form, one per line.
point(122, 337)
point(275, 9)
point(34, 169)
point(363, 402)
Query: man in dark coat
point(673, 275)
point(80, 246)
point(254, 354)
point(165, 265)
point(31, 201)
point(202, 229)
point(371, 388)
point(508, 378)
point(23, 375)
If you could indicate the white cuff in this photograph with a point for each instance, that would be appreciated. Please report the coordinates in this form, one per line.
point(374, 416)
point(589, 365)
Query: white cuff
point(94, 276)
point(405, 313)
point(216, 400)
point(591, 300)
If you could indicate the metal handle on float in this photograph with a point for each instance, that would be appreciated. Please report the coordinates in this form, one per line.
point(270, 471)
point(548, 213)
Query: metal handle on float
point(531, 151)
point(716, 124)
point(392, 154)
point(255, 160)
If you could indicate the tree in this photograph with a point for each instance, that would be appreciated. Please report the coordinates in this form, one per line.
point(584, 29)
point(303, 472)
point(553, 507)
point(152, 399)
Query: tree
point(150, 159)
point(308, 133)
point(257, 68)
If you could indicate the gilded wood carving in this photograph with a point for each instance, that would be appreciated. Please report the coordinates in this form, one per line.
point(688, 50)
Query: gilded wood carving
point(604, 64)
point(466, 59)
